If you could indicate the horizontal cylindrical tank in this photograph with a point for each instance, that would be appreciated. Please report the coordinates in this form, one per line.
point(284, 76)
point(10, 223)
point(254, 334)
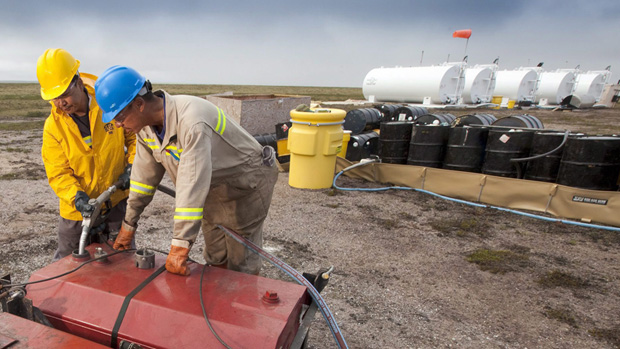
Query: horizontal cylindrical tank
point(479, 85)
point(590, 84)
point(434, 84)
point(518, 85)
point(554, 86)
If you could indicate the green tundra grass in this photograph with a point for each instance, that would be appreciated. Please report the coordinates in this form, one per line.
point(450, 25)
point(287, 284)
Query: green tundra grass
point(22, 100)
point(22, 103)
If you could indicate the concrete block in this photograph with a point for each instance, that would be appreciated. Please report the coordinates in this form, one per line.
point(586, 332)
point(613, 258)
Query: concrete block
point(259, 114)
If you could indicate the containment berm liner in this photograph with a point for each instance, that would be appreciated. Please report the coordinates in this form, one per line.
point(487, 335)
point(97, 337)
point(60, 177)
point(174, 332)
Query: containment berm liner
point(314, 140)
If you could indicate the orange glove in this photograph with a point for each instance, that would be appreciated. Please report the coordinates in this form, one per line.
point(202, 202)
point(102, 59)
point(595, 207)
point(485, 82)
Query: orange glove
point(176, 262)
point(125, 235)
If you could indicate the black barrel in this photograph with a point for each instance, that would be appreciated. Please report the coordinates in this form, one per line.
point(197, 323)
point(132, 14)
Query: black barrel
point(546, 168)
point(525, 121)
point(360, 120)
point(387, 111)
point(502, 145)
point(465, 148)
point(408, 113)
point(474, 119)
point(435, 119)
point(267, 139)
point(363, 145)
point(394, 138)
point(427, 146)
point(591, 162)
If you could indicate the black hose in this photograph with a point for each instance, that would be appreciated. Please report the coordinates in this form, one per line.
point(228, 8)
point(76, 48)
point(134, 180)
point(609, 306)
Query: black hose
point(517, 161)
point(204, 312)
point(166, 190)
point(70, 271)
point(545, 154)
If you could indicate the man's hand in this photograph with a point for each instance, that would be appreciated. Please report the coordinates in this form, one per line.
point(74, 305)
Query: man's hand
point(81, 203)
point(125, 235)
point(176, 262)
point(124, 177)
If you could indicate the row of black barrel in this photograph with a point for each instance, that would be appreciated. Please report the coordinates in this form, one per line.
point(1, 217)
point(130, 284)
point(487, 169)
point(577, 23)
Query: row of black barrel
point(366, 119)
point(515, 146)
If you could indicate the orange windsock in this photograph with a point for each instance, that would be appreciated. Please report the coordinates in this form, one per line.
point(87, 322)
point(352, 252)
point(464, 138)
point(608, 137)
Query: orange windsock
point(463, 33)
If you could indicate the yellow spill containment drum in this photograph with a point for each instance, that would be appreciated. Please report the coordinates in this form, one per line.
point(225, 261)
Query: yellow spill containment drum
point(314, 140)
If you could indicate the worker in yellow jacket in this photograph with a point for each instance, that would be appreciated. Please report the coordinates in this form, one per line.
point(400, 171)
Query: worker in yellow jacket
point(82, 155)
point(221, 173)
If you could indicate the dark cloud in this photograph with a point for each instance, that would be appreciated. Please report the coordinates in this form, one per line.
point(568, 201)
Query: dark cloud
point(293, 42)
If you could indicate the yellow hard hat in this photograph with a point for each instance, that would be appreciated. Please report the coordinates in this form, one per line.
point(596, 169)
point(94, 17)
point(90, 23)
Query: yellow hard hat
point(55, 70)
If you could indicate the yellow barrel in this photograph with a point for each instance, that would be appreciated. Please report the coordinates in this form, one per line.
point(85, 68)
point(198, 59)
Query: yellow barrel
point(282, 147)
point(314, 140)
point(497, 100)
point(511, 104)
point(346, 137)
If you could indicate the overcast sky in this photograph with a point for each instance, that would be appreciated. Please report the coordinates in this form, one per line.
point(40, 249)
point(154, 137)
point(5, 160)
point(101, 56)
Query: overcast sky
point(305, 43)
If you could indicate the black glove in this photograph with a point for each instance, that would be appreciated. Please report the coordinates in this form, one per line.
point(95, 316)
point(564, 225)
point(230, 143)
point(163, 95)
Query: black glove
point(81, 202)
point(124, 177)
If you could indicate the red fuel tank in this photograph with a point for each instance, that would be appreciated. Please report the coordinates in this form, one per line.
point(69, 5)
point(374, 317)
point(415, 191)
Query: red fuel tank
point(20, 333)
point(243, 310)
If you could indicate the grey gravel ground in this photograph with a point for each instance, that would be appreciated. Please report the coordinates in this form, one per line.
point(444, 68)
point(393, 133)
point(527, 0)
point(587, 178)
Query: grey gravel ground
point(401, 276)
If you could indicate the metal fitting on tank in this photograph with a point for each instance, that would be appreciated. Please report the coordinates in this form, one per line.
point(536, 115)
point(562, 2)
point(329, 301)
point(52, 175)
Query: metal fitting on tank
point(80, 257)
point(101, 255)
point(145, 259)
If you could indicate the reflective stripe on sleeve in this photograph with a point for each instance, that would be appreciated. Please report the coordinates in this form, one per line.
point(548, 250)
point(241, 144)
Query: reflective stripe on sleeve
point(141, 188)
point(151, 143)
point(221, 122)
point(188, 213)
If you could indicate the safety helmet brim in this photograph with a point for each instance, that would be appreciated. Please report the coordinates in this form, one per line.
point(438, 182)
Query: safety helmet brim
point(116, 88)
point(55, 70)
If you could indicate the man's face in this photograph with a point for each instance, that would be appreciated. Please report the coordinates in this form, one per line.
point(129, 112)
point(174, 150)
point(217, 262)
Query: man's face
point(71, 99)
point(129, 118)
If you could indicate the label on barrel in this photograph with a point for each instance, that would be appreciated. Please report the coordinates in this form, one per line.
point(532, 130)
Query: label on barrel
point(504, 138)
point(589, 200)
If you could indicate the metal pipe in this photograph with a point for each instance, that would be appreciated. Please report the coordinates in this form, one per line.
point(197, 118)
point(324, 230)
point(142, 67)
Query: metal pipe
point(89, 222)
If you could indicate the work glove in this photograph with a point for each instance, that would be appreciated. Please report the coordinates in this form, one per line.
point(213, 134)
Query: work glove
point(124, 177)
point(124, 237)
point(176, 262)
point(81, 203)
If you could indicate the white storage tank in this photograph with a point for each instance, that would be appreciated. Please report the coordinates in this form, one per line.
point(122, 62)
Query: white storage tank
point(429, 85)
point(518, 85)
point(554, 86)
point(591, 84)
point(479, 84)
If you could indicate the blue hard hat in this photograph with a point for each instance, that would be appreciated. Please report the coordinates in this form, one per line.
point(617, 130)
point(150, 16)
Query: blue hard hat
point(116, 88)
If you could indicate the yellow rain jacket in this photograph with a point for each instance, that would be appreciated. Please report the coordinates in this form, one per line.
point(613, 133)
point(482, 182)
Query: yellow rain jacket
point(72, 165)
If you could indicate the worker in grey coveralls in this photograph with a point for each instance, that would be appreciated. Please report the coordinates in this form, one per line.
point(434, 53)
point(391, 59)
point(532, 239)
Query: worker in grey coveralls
point(221, 173)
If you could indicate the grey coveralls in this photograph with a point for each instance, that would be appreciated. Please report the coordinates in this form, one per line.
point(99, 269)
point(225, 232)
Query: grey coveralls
point(220, 175)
